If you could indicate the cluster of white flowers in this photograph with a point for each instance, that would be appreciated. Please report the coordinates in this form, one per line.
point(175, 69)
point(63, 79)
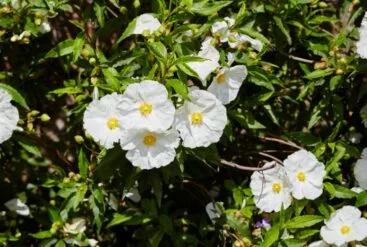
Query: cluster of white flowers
point(302, 177)
point(146, 124)
point(9, 116)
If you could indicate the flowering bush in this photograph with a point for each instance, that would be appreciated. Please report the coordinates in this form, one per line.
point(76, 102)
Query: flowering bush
point(183, 123)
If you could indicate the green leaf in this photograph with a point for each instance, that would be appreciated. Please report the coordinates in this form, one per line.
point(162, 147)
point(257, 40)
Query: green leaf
point(16, 96)
point(119, 219)
point(82, 163)
point(159, 50)
point(128, 31)
point(343, 192)
point(283, 28)
point(319, 73)
point(78, 46)
point(179, 87)
point(110, 75)
point(304, 221)
point(60, 243)
point(208, 8)
point(61, 49)
point(99, 11)
point(361, 199)
point(271, 236)
point(42, 235)
point(67, 90)
point(247, 120)
point(188, 59)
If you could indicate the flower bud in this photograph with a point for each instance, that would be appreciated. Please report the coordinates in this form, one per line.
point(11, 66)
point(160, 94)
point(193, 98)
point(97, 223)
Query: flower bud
point(14, 38)
point(136, 4)
point(85, 53)
point(87, 135)
point(252, 55)
point(232, 39)
point(66, 180)
point(71, 174)
point(322, 5)
point(123, 10)
point(78, 139)
point(27, 34)
point(94, 80)
point(339, 71)
point(34, 113)
point(38, 21)
point(52, 202)
point(45, 118)
point(92, 61)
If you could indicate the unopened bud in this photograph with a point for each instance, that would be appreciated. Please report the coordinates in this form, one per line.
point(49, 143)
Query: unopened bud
point(71, 174)
point(146, 33)
point(52, 202)
point(66, 180)
point(92, 61)
point(14, 38)
point(339, 71)
point(322, 4)
point(252, 55)
point(232, 39)
point(45, 118)
point(94, 80)
point(136, 4)
point(34, 113)
point(27, 34)
point(123, 10)
point(78, 139)
point(87, 135)
point(38, 21)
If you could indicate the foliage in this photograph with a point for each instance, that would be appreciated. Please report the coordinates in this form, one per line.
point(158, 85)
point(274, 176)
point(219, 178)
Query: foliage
point(305, 86)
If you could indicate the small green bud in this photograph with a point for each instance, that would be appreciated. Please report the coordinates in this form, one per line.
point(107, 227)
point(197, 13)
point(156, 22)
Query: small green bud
point(14, 38)
point(77, 177)
point(66, 180)
point(87, 135)
point(339, 71)
point(78, 139)
point(45, 118)
point(322, 4)
point(136, 4)
point(161, 29)
point(37, 21)
point(146, 33)
point(232, 39)
point(18, 234)
point(53, 230)
point(94, 80)
point(355, 2)
point(85, 53)
point(342, 60)
point(252, 55)
point(71, 174)
point(34, 113)
point(53, 202)
point(92, 61)
point(123, 10)
point(27, 34)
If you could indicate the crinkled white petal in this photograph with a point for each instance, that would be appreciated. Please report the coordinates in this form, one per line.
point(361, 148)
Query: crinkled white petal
point(231, 56)
point(227, 90)
point(319, 243)
point(162, 153)
point(242, 38)
point(9, 116)
point(221, 29)
point(261, 186)
point(146, 22)
point(214, 120)
point(314, 171)
point(17, 206)
point(362, 43)
point(364, 154)
point(153, 93)
point(204, 68)
point(96, 117)
point(360, 173)
point(230, 21)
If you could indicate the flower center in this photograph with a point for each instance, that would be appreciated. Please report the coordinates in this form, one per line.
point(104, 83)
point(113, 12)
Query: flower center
point(221, 78)
point(277, 187)
point(150, 140)
point(145, 109)
point(196, 118)
point(112, 123)
point(345, 230)
point(301, 176)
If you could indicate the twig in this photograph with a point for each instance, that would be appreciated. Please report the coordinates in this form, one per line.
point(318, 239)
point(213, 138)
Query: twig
point(288, 143)
point(299, 59)
point(245, 168)
point(271, 157)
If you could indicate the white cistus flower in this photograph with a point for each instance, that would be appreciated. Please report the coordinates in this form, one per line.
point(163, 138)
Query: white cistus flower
point(221, 28)
point(146, 22)
point(236, 39)
point(204, 68)
point(360, 170)
point(103, 121)
point(9, 116)
point(363, 114)
point(344, 225)
point(17, 206)
point(227, 83)
point(271, 188)
point(147, 149)
point(214, 210)
point(76, 226)
point(362, 43)
point(201, 121)
point(306, 174)
point(145, 105)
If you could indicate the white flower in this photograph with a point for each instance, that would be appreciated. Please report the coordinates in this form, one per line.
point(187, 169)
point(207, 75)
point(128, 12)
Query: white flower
point(319, 243)
point(363, 114)
point(201, 121)
point(88, 242)
point(148, 149)
point(103, 121)
point(360, 170)
point(204, 68)
point(362, 43)
point(76, 226)
point(17, 206)
point(306, 174)
point(239, 39)
point(133, 193)
point(45, 27)
point(146, 22)
point(271, 188)
point(345, 225)
point(227, 83)
point(221, 28)
point(214, 210)
point(9, 116)
point(146, 105)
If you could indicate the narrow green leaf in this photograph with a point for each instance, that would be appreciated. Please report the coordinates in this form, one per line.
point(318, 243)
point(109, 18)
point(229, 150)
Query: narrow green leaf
point(283, 28)
point(61, 49)
point(179, 87)
point(17, 97)
point(159, 50)
point(78, 46)
point(82, 163)
point(271, 236)
point(304, 221)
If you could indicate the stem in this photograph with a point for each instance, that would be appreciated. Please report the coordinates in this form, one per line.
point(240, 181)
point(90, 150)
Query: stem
point(245, 168)
point(288, 143)
point(299, 59)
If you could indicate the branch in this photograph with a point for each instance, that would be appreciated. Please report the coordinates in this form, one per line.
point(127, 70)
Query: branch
point(288, 143)
point(299, 59)
point(245, 168)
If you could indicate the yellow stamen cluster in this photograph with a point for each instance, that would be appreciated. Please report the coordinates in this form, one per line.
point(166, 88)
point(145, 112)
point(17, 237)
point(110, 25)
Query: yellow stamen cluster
point(145, 109)
point(150, 139)
point(277, 187)
point(112, 123)
point(221, 78)
point(345, 230)
point(196, 118)
point(301, 176)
